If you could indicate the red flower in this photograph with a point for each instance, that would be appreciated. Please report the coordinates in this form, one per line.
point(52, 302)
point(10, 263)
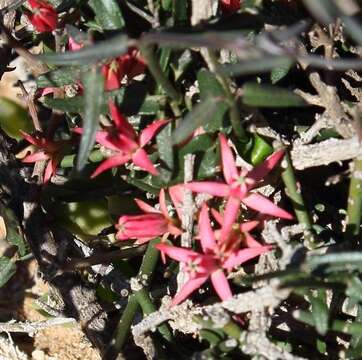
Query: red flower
point(44, 17)
point(211, 263)
point(50, 150)
point(230, 6)
point(130, 65)
point(147, 226)
point(237, 187)
point(124, 143)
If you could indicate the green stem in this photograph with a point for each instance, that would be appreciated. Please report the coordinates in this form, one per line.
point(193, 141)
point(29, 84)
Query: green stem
point(148, 52)
point(295, 194)
point(140, 297)
point(124, 324)
point(235, 115)
point(354, 206)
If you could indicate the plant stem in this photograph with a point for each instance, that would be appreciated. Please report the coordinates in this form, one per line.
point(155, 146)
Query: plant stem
point(354, 207)
point(124, 325)
point(295, 194)
point(148, 52)
point(235, 115)
point(140, 297)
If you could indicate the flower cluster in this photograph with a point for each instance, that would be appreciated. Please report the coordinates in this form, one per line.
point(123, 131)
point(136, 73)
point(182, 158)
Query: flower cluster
point(221, 249)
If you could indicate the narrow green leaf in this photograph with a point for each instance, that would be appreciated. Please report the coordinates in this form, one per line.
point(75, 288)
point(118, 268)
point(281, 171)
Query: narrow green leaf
point(199, 116)
point(93, 97)
point(320, 311)
point(59, 77)
point(113, 47)
point(108, 14)
point(7, 270)
point(211, 87)
point(256, 66)
point(130, 104)
point(270, 96)
point(280, 72)
point(13, 234)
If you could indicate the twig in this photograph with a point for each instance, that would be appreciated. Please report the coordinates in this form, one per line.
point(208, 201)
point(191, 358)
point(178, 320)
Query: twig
point(325, 152)
point(105, 258)
point(33, 327)
point(188, 208)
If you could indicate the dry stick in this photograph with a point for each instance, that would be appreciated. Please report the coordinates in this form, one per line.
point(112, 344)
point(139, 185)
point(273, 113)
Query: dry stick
point(325, 152)
point(33, 327)
point(188, 210)
point(37, 66)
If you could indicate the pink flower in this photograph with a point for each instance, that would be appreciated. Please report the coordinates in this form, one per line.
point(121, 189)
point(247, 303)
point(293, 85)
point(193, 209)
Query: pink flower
point(130, 65)
point(237, 187)
point(230, 6)
point(211, 263)
point(124, 143)
point(44, 17)
point(152, 224)
point(50, 150)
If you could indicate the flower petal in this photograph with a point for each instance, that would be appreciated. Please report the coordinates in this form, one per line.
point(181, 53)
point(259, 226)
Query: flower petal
point(241, 256)
point(217, 216)
point(121, 122)
point(228, 161)
point(221, 285)
point(150, 131)
point(249, 225)
point(250, 242)
point(145, 207)
point(37, 156)
point(230, 215)
point(177, 253)
point(209, 187)
point(163, 205)
point(190, 286)
point(177, 196)
point(265, 206)
point(207, 237)
point(260, 171)
point(141, 159)
point(32, 139)
point(111, 162)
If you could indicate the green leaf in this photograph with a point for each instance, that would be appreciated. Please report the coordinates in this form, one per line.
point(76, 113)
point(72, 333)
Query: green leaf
point(59, 77)
point(270, 96)
point(13, 234)
point(280, 72)
point(256, 66)
point(199, 116)
point(320, 311)
point(207, 159)
point(7, 270)
point(108, 14)
point(260, 150)
point(165, 150)
point(180, 12)
point(14, 118)
point(129, 99)
point(106, 49)
point(93, 96)
point(211, 87)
